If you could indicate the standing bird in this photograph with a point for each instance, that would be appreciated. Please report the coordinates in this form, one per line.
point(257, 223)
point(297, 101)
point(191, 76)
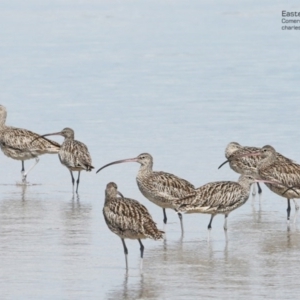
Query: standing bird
point(22, 144)
point(128, 219)
point(270, 167)
point(159, 187)
point(242, 164)
point(218, 198)
point(73, 154)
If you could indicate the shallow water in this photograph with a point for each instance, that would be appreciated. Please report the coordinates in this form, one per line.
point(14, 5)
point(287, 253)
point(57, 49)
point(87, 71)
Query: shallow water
point(179, 80)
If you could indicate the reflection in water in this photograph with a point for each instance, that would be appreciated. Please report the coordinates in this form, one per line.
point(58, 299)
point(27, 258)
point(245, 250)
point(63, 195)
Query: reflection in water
point(76, 219)
point(27, 236)
point(296, 211)
point(140, 286)
point(257, 214)
point(24, 188)
point(76, 241)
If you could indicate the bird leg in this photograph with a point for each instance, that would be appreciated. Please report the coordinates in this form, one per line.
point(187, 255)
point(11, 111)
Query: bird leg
point(141, 248)
point(125, 252)
point(259, 188)
point(23, 168)
point(209, 225)
point(77, 182)
point(181, 223)
point(142, 253)
point(24, 174)
point(165, 216)
point(225, 222)
point(288, 210)
point(73, 180)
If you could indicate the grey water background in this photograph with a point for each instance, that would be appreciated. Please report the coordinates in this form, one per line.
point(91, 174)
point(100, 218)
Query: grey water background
point(177, 79)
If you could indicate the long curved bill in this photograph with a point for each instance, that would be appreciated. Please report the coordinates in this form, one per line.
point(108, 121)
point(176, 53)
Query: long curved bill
point(221, 165)
point(42, 136)
point(118, 162)
point(120, 194)
point(239, 156)
point(55, 133)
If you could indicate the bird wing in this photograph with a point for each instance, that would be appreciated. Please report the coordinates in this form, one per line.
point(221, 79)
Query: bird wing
point(127, 213)
point(26, 140)
point(130, 215)
point(76, 155)
point(286, 173)
point(282, 158)
point(169, 186)
point(212, 196)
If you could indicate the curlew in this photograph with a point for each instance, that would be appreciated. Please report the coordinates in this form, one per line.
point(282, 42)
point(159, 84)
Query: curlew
point(73, 154)
point(160, 188)
point(128, 219)
point(270, 167)
point(22, 144)
point(242, 164)
point(220, 197)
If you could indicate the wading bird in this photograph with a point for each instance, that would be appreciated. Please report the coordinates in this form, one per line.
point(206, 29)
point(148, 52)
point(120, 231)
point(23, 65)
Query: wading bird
point(73, 154)
point(160, 188)
point(220, 197)
point(284, 171)
point(22, 144)
point(242, 164)
point(128, 219)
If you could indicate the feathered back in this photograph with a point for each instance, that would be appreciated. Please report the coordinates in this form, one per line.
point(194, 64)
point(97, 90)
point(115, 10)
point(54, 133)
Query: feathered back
point(128, 218)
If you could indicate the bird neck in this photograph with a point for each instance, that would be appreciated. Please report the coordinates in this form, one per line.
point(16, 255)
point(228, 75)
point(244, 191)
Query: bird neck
point(69, 139)
point(245, 184)
point(145, 170)
point(2, 120)
point(265, 162)
point(108, 199)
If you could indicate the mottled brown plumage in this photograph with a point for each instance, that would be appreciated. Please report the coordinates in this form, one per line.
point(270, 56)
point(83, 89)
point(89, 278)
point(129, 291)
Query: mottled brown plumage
point(235, 154)
point(73, 154)
point(270, 167)
point(246, 164)
point(128, 218)
point(22, 144)
point(218, 198)
point(160, 188)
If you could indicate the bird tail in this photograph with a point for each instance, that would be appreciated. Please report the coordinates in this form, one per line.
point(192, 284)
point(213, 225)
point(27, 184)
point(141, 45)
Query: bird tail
point(158, 235)
point(89, 167)
point(152, 231)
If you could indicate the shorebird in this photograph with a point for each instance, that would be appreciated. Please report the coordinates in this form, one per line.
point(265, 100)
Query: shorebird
point(160, 188)
point(73, 154)
point(128, 219)
point(22, 144)
point(242, 164)
point(220, 197)
point(270, 167)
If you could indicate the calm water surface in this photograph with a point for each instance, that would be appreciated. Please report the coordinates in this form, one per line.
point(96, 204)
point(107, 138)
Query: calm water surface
point(179, 80)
